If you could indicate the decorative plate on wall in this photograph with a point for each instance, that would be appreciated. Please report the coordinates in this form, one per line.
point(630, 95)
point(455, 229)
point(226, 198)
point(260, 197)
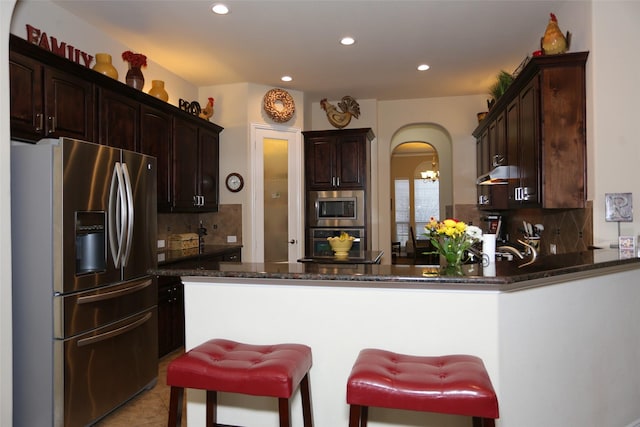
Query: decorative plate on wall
point(279, 105)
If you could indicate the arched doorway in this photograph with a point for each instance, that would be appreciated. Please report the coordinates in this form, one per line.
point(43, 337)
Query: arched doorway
point(421, 180)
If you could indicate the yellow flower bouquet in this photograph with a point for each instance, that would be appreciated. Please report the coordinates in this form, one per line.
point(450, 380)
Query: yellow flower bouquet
point(452, 238)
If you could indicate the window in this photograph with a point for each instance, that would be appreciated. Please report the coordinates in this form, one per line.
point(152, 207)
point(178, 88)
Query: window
point(403, 210)
point(426, 204)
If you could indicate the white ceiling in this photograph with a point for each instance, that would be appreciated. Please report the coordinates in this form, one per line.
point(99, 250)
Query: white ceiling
point(466, 42)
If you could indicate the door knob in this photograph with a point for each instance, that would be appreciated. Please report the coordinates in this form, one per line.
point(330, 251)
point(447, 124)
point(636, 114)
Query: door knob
point(293, 241)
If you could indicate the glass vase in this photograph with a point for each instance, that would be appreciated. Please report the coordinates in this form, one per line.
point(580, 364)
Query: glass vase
point(158, 90)
point(135, 78)
point(105, 66)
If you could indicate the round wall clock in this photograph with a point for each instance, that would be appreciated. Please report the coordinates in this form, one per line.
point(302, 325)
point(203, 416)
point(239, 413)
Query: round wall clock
point(234, 182)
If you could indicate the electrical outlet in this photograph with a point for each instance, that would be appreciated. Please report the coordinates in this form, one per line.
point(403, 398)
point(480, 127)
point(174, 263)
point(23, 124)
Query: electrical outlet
point(161, 244)
point(232, 239)
point(552, 249)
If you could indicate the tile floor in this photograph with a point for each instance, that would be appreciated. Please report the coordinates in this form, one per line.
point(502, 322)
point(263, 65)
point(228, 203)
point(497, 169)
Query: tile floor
point(148, 409)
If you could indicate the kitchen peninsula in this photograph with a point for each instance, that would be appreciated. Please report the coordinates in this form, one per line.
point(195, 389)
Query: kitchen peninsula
point(560, 338)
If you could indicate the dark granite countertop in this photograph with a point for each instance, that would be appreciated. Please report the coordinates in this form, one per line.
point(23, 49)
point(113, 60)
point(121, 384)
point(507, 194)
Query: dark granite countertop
point(507, 275)
point(166, 257)
point(370, 257)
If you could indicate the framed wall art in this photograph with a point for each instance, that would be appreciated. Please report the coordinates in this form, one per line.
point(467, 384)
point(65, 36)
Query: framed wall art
point(618, 207)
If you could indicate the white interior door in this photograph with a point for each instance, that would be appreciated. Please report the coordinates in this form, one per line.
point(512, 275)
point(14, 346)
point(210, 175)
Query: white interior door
point(277, 196)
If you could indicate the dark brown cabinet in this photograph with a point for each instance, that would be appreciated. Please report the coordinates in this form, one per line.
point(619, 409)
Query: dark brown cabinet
point(54, 97)
point(47, 102)
point(118, 120)
point(544, 111)
point(337, 159)
point(170, 314)
point(155, 140)
point(196, 151)
point(491, 152)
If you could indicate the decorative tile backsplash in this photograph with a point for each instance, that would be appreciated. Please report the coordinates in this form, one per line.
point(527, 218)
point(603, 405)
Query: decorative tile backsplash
point(571, 230)
point(226, 222)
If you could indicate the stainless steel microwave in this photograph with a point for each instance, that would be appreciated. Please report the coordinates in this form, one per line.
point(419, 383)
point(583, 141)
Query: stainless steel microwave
point(336, 209)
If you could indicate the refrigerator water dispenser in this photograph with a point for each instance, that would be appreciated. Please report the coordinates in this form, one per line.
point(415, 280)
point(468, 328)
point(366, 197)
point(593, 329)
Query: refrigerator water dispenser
point(90, 242)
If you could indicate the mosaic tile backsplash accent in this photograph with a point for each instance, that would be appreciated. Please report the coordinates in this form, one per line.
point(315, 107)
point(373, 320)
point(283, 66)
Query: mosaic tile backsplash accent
point(226, 222)
point(571, 230)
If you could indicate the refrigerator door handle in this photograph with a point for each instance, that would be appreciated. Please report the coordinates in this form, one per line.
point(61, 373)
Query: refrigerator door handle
point(117, 214)
point(130, 212)
point(114, 294)
point(114, 333)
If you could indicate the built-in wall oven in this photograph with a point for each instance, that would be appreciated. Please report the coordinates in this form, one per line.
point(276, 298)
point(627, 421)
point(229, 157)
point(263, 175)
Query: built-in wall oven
point(320, 247)
point(330, 213)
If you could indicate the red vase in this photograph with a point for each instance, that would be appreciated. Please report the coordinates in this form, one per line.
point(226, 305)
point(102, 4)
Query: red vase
point(135, 78)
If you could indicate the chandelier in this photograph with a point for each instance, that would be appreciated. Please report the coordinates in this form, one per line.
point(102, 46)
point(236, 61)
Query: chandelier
point(430, 175)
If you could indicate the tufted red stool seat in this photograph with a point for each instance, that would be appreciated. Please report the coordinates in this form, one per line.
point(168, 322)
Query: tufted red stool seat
point(228, 366)
point(455, 384)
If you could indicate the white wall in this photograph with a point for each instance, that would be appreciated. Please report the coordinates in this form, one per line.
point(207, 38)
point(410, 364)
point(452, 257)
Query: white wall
point(613, 100)
point(569, 354)
point(237, 106)
point(6, 376)
point(457, 115)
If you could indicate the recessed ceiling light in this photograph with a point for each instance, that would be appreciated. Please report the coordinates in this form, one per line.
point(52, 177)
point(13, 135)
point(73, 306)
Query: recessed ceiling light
point(423, 67)
point(347, 41)
point(220, 9)
point(286, 78)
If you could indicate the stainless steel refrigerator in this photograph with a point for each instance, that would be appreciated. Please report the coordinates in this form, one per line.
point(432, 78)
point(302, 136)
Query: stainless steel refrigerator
point(83, 224)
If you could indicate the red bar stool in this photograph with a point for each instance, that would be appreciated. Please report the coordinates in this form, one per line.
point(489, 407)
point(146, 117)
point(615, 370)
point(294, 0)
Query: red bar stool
point(228, 366)
point(456, 384)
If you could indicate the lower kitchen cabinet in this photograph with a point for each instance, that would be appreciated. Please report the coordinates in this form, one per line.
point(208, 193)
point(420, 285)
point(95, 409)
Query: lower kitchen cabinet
point(170, 314)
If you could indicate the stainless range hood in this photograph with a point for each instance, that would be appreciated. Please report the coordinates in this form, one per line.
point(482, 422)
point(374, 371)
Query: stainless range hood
point(499, 175)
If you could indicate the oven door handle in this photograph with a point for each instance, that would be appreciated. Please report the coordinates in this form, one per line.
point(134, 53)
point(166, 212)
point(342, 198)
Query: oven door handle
point(114, 294)
point(114, 333)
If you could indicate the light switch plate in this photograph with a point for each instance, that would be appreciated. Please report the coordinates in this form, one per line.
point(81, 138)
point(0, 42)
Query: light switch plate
point(232, 239)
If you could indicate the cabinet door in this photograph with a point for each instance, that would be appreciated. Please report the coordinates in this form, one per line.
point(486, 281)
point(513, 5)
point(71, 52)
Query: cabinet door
point(170, 314)
point(498, 142)
point(529, 149)
point(155, 140)
point(68, 105)
point(209, 164)
point(27, 121)
point(320, 159)
point(563, 150)
point(483, 166)
point(119, 120)
point(350, 162)
point(185, 165)
point(513, 159)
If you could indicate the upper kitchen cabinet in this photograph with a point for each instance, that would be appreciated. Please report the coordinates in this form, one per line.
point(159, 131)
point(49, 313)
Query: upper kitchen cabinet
point(118, 120)
point(544, 111)
point(48, 102)
point(54, 97)
point(195, 166)
point(337, 159)
point(156, 135)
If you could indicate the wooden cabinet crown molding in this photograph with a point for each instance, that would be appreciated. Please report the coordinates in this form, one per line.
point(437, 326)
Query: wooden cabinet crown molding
point(31, 50)
point(534, 66)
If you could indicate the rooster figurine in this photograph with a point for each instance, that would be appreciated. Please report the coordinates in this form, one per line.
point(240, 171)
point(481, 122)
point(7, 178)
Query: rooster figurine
point(207, 111)
point(348, 107)
point(553, 41)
